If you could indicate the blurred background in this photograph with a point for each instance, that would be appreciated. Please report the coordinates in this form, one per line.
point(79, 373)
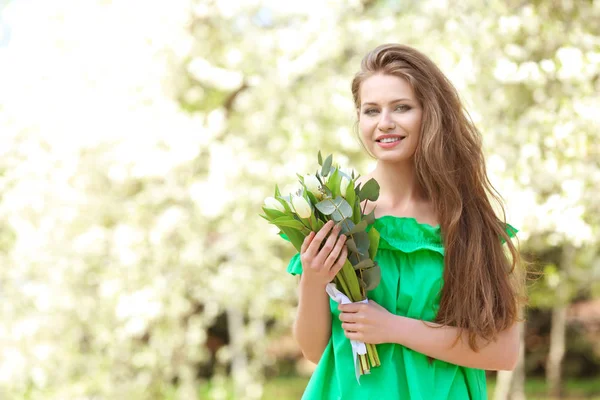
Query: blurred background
point(138, 140)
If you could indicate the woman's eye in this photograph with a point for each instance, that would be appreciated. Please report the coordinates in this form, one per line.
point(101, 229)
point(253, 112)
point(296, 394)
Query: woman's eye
point(402, 107)
point(370, 111)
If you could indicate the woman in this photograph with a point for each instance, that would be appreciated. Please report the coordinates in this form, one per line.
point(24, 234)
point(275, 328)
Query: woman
point(447, 307)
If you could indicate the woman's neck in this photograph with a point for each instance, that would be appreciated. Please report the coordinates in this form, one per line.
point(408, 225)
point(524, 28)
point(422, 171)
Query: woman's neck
point(399, 188)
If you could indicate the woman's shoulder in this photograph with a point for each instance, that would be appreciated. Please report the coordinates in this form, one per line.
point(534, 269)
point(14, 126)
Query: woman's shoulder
point(407, 234)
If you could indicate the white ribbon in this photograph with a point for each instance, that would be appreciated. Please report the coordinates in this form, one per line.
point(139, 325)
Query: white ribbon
point(358, 348)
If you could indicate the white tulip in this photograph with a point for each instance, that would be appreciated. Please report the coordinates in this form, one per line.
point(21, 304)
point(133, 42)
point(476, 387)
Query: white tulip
point(313, 185)
point(301, 207)
point(344, 186)
point(274, 204)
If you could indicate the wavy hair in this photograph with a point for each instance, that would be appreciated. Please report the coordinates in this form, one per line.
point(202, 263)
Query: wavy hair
point(483, 285)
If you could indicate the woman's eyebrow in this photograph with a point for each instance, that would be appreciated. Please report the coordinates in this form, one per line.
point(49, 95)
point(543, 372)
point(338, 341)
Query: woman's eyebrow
point(391, 102)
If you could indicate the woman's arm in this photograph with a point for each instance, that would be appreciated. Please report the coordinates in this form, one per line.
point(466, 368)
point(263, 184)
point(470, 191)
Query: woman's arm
point(438, 342)
point(312, 327)
point(372, 323)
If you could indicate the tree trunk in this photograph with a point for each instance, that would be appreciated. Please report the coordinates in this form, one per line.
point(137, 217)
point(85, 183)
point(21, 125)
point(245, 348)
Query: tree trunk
point(510, 385)
point(559, 325)
point(503, 380)
point(239, 359)
point(517, 387)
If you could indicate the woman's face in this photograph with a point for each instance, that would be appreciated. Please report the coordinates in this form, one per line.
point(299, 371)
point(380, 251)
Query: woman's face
point(389, 108)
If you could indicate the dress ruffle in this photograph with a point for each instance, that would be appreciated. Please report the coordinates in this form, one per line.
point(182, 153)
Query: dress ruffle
point(408, 235)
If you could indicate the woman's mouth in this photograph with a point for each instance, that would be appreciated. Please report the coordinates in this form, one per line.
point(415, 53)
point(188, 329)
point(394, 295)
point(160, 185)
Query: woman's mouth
point(389, 143)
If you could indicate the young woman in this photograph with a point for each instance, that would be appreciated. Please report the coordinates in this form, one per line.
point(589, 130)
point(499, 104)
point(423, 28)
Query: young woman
point(447, 307)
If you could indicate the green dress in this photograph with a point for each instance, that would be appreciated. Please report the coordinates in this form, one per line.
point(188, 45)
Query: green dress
point(410, 255)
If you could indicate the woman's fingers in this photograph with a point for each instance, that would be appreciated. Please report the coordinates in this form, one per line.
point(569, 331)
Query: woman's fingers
point(324, 253)
point(321, 234)
point(330, 263)
point(339, 264)
point(307, 240)
point(324, 260)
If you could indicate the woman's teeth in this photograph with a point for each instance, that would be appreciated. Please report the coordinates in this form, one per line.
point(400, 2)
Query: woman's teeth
point(389, 140)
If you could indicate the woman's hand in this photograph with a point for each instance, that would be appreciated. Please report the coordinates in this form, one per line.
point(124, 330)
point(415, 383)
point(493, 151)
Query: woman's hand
point(368, 323)
point(319, 267)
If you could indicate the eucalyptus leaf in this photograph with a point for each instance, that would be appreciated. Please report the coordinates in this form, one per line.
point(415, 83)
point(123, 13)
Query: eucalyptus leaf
point(370, 191)
point(370, 217)
point(338, 207)
point(346, 225)
point(364, 264)
point(351, 245)
point(343, 174)
point(362, 242)
point(361, 226)
point(327, 165)
point(320, 158)
point(372, 277)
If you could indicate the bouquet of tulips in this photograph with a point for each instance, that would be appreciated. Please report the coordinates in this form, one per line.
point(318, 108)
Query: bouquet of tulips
point(330, 194)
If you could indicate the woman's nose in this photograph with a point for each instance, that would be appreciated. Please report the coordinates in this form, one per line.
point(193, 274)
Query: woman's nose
point(385, 122)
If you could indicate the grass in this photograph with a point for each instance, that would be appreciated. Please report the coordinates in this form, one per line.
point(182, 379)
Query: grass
point(291, 388)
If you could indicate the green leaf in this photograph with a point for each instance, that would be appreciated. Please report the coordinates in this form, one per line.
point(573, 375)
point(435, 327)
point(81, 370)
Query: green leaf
point(351, 245)
point(364, 264)
point(285, 202)
point(265, 217)
point(337, 208)
point(350, 194)
point(370, 217)
point(288, 222)
point(359, 227)
point(370, 191)
point(373, 242)
point(272, 214)
point(327, 165)
point(294, 236)
point(371, 277)
point(349, 276)
point(320, 158)
point(277, 193)
point(333, 183)
point(357, 206)
point(312, 198)
point(346, 225)
point(362, 242)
